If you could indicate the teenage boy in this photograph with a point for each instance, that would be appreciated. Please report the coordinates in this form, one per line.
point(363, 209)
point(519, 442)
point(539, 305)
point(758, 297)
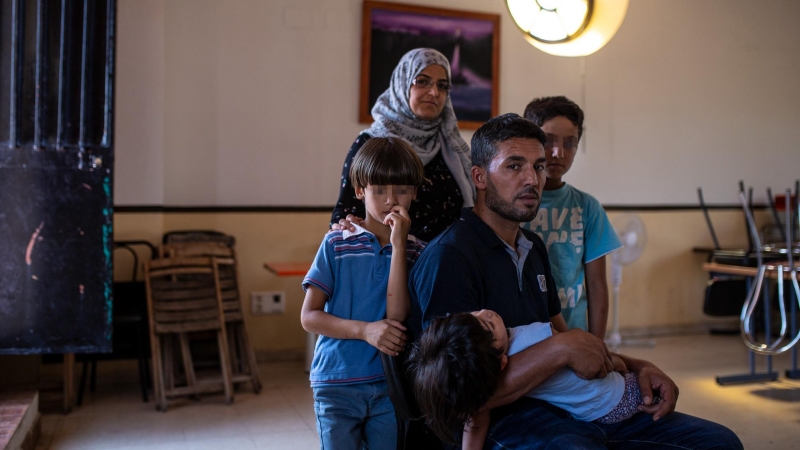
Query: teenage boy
point(572, 223)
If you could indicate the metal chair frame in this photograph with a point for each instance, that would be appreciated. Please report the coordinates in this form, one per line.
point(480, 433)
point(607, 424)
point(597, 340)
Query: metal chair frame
point(754, 295)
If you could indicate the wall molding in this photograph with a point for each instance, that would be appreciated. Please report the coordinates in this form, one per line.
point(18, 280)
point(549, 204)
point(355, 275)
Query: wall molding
point(329, 208)
point(220, 209)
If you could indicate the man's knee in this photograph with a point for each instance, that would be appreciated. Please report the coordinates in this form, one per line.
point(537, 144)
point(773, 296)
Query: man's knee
point(725, 439)
point(676, 430)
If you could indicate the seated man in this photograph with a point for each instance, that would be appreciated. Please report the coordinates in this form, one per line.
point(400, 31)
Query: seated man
point(486, 261)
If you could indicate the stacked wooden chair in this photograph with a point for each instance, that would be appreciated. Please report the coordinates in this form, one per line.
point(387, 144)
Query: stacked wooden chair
point(184, 295)
point(243, 358)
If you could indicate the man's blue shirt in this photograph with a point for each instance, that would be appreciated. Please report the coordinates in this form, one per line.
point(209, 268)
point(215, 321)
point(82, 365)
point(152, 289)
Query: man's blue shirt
point(468, 268)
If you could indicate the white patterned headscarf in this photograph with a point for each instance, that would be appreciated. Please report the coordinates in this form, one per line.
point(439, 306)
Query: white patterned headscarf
point(393, 117)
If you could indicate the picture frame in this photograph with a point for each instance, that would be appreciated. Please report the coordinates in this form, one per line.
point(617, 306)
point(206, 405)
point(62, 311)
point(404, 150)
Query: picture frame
point(470, 40)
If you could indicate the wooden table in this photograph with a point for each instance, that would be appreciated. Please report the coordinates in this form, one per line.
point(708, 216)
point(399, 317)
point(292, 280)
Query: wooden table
point(288, 269)
point(746, 271)
point(20, 423)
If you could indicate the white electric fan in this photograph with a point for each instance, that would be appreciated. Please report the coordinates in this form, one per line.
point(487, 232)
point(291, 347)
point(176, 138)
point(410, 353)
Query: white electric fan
point(633, 235)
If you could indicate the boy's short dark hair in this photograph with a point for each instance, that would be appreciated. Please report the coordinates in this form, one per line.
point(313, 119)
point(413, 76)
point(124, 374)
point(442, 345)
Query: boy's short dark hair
point(542, 109)
point(386, 161)
point(500, 129)
point(454, 370)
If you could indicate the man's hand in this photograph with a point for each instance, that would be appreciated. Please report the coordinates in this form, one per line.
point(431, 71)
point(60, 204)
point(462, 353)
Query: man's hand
point(652, 378)
point(347, 223)
point(386, 335)
point(399, 221)
point(587, 355)
point(584, 353)
point(619, 364)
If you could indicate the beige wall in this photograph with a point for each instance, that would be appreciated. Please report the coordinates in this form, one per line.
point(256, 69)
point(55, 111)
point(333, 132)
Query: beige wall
point(663, 290)
point(254, 102)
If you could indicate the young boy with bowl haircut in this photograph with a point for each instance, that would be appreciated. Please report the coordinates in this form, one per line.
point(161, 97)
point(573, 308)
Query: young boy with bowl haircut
point(357, 298)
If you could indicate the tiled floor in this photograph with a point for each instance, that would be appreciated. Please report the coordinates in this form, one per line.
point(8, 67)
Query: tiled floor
point(764, 415)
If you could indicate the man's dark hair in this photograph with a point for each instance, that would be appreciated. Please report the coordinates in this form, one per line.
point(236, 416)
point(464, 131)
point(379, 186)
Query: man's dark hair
point(386, 161)
point(454, 370)
point(500, 129)
point(540, 110)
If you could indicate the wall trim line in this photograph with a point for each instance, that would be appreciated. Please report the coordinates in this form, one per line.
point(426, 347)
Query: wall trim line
point(220, 209)
point(328, 208)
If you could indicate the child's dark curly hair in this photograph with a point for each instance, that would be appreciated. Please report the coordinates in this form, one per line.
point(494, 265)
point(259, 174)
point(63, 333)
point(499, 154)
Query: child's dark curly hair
point(454, 370)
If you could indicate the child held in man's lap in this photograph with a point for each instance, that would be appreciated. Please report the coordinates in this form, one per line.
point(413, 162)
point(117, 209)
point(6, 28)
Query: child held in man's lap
point(357, 298)
point(456, 364)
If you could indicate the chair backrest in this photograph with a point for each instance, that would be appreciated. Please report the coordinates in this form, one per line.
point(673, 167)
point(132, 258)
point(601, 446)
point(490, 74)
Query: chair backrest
point(188, 249)
point(228, 271)
point(183, 294)
point(174, 237)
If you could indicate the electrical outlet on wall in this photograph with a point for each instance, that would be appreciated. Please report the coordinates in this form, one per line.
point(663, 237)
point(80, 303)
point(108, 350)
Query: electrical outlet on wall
point(268, 302)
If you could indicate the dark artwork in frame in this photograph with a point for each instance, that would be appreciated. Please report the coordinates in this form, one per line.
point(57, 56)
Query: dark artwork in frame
point(470, 40)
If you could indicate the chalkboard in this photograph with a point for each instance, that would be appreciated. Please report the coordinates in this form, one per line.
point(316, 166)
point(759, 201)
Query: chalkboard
point(56, 176)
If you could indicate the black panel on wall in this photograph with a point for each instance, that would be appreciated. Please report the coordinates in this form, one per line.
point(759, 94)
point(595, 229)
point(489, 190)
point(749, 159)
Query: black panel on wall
point(56, 175)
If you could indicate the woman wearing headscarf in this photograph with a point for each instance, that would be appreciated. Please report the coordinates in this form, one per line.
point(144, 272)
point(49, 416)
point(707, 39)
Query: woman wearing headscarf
point(417, 108)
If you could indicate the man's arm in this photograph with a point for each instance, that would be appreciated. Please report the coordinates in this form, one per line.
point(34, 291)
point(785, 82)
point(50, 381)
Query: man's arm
point(584, 353)
point(597, 296)
point(559, 324)
point(651, 379)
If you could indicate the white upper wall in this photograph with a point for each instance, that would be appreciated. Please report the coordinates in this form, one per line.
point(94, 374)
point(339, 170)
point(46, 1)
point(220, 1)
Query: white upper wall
point(254, 102)
point(139, 103)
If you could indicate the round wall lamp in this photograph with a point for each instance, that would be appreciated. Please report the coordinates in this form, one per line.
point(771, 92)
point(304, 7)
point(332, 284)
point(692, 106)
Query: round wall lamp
point(568, 27)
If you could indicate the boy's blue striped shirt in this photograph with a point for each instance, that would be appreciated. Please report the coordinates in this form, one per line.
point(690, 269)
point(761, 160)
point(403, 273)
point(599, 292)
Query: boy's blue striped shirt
point(353, 270)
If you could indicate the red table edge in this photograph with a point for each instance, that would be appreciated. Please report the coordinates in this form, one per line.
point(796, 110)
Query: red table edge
point(288, 269)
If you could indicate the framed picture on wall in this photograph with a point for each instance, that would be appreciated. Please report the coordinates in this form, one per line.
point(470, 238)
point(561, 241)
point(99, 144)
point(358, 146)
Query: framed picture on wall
point(470, 40)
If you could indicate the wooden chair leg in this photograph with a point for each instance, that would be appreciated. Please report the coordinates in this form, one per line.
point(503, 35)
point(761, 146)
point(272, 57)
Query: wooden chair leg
point(158, 373)
point(233, 351)
point(169, 367)
point(188, 366)
point(250, 354)
point(244, 361)
point(225, 363)
point(82, 382)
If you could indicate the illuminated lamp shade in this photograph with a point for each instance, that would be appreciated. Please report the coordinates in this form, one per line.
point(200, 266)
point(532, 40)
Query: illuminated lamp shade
point(568, 27)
